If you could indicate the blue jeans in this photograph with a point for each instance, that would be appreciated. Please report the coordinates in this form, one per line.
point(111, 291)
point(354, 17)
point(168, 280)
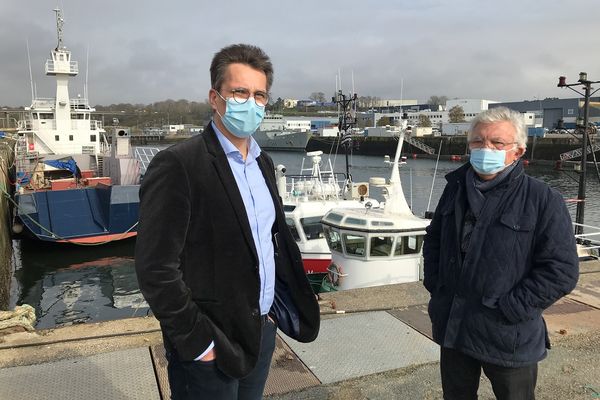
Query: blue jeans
point(203, 380)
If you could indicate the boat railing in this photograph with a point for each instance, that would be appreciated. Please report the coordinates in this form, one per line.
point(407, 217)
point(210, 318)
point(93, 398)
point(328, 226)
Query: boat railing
point(79, 104)
point(326, 186)
point(24, 125)
point(54, 68)
point(589, 242)
point(105, 148)
point(43, 102)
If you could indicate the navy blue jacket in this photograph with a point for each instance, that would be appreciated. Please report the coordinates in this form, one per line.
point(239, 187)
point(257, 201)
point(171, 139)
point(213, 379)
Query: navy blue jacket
point(521, 258)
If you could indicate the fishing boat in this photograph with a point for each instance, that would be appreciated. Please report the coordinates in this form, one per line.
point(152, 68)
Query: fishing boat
point(307, 197)
point(376, 246)
point(72, 184)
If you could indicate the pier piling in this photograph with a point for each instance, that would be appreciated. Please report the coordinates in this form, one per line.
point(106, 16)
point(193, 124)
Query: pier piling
point(6, 161)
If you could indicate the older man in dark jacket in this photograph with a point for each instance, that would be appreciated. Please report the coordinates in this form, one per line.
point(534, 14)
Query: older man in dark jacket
point(499, 251)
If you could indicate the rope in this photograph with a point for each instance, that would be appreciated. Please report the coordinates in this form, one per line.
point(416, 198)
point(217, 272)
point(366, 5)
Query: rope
point(56, 236)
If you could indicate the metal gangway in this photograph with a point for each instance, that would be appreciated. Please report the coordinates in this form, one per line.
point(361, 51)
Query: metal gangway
point(144, 155)
point(577, 152)
point(418, 144)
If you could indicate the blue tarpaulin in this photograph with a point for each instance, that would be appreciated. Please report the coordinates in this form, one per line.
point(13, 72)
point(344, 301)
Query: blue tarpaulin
point(63, 163)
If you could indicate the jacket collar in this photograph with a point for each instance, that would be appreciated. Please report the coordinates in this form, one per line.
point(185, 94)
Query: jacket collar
point(223, 169)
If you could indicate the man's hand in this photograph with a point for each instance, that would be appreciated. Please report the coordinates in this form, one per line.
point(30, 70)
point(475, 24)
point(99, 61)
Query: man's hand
point(209, 356)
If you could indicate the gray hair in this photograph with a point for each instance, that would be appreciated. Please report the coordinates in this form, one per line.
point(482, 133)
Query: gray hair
point(246, 54)
point(498, 114)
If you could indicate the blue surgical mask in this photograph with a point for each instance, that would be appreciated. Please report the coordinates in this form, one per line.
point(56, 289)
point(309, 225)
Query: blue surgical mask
point(487, 161)
point(242, 120)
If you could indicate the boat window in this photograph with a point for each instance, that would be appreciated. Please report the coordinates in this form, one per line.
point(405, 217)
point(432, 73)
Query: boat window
point(333, 239)
point(355, 245)
point(381, 246)
point(92, 138)
point(408, 244)
point(312, 227)
point(398, 247)
point(288, 208)
point(70, 138)
point(35, 115)
point(356, 221)
point(290, 223)
point(382, 223)
point(334, 217)
point(46, 116)
point(56, 138)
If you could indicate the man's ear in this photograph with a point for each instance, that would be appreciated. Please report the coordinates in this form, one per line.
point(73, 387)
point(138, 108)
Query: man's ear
point(212, 99)
point(520, 151)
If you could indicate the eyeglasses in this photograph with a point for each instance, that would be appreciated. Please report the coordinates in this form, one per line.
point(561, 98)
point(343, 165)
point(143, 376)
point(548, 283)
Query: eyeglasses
point(478, 143)
point(241, 95)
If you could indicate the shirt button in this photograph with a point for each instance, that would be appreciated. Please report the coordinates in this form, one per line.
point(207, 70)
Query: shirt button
point(255, 312)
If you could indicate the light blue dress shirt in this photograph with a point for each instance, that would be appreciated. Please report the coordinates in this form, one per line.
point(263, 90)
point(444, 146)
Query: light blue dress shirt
point(260, 210)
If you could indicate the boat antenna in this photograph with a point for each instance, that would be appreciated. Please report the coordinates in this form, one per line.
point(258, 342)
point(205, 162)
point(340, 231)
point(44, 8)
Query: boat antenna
point(347, 120)
point(59, 28)
point(87, 69)
point(434, 173)
point(30, 74)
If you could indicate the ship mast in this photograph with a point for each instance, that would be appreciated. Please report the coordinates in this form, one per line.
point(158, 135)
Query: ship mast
point(347, 121)
point(59, 27)
point(61, 66)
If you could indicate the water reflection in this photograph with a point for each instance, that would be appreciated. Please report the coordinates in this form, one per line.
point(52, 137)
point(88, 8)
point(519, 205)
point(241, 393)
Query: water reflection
point(72, 284)
point(69, 285)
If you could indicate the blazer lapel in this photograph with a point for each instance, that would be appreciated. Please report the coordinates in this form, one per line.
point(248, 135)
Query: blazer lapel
point(223, 169)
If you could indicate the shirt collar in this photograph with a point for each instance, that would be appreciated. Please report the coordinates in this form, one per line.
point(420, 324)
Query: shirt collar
point(228, 147)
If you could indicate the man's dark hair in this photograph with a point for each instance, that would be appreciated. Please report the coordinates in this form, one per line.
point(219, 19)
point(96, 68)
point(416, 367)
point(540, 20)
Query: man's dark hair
point(243, 54)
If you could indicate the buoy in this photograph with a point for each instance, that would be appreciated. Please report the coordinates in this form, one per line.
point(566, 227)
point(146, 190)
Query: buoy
point(414, 155)
point(31, 147)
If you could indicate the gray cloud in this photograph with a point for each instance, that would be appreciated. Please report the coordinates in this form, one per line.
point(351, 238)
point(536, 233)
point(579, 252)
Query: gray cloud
point(145, 51)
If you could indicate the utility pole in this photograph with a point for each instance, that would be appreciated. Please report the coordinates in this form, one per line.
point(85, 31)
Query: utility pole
point(587, 87)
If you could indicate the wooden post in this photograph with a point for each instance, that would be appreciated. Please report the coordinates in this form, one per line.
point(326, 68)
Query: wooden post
point(6, 160)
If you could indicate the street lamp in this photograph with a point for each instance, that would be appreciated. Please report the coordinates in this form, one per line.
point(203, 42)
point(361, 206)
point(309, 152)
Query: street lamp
point(587, 86)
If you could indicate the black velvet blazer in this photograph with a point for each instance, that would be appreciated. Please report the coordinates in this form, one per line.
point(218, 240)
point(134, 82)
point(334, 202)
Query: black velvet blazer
point(196, 261)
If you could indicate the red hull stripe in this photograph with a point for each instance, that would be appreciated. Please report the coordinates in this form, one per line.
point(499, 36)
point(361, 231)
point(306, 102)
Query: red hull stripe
point(316, 266)
point(100, 239)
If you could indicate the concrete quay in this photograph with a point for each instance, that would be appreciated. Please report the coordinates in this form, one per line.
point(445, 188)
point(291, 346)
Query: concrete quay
point(374, 344)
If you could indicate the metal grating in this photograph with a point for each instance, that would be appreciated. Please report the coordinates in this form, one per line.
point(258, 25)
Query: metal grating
point(125, 374)
point(416, 317)
point(160, 369)
point(363, 344)
point(287, 371)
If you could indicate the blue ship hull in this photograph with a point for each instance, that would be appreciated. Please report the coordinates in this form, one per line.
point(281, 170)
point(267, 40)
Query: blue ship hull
point(83, 215)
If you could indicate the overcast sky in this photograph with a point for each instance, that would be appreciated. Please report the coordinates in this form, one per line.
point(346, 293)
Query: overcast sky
point(141, 51)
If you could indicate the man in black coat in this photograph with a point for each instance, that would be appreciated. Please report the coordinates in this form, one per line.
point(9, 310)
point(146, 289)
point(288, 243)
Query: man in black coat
point(214, 257)
point(498, 252)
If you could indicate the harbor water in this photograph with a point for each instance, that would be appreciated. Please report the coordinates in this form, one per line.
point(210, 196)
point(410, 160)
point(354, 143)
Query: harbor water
point(68, 284)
